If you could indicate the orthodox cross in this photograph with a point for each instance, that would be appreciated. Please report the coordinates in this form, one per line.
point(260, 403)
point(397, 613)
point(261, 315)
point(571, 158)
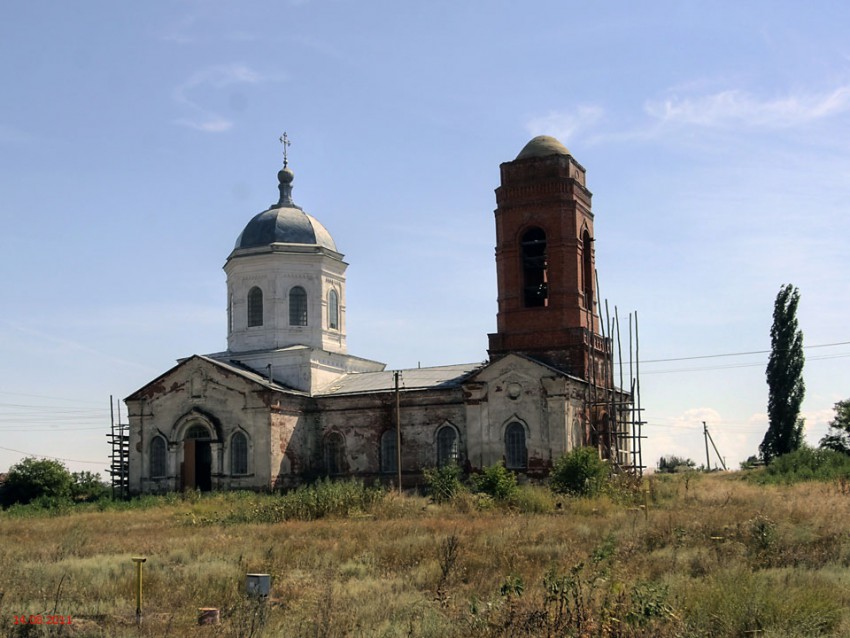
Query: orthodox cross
point(284, 139)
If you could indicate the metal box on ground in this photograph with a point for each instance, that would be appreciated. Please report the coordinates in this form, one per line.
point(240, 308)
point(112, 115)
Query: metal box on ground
point(258, 585)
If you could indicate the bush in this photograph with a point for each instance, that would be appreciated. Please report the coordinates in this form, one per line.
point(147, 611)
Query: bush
point(805, 464)
point(671, 463)
point(443, 482)
point(580, 472)
point(496, 481)
point(33, 478)
point(88, 487)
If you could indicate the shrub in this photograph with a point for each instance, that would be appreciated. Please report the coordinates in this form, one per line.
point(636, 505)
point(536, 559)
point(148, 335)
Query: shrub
point(580, 472)
point(671, 463)
point(33, 478)
point(88, 487)
point(496, 481)
point(443, 482)
point(805, 464)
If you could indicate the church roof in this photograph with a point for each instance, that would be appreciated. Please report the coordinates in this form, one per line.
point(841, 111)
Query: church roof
point(284, 222)
point(284, 225)
point(542, 146)
point(439, 377)
point(233, 367)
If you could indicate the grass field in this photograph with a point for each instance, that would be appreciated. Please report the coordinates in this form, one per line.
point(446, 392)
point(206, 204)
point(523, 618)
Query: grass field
point(711, 556)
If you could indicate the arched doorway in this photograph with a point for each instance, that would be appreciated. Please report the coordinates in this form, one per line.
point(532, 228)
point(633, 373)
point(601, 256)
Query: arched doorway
point(197, 459)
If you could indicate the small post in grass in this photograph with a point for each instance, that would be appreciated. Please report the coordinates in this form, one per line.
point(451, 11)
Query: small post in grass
point(139, 560)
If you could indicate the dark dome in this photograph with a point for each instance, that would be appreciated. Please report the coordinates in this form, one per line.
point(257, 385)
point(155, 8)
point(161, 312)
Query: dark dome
point(285, 222)
point(285, 225)
point(542, 146)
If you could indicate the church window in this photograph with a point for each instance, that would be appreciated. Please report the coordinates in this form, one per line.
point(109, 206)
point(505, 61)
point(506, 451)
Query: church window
point(587, 268)
point(516, 454)
point(389, 453)
point(297, 306)
point(239, 454)
point(334, 454)
point(447, 446)
point(157, 458)
point(333, 310)
point(535, 276)
point(197, 432)
point(255, 307)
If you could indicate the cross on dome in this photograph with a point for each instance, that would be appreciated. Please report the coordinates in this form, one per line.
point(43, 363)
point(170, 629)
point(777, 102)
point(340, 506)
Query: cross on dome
point(284, 139)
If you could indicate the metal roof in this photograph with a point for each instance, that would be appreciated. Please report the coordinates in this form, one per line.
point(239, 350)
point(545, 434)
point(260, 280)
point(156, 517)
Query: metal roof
point(412, 379)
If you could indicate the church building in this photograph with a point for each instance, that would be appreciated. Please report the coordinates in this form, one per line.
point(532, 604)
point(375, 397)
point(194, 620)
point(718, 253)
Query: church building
point(286, 402)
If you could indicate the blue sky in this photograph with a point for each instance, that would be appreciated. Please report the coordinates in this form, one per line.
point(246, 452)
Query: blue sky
point(137, 140)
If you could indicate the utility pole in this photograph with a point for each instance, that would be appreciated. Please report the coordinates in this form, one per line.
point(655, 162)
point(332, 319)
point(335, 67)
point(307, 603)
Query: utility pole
point(705, 436)
point(716, 451)
point(397, 430)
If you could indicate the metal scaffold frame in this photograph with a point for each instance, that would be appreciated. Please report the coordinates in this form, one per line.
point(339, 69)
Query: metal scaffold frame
point(119, 458)
point(621, 435)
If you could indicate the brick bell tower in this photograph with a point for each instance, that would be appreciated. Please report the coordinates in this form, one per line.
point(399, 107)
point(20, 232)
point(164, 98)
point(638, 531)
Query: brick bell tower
point(545, 262)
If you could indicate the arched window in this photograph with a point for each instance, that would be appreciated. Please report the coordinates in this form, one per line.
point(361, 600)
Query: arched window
point(516, 454)
point(535, 277)
point(389, 453)
point(255, 307)
point(447, 447)
point(197, 432)
point(587, 268)
point(239, 453)
point(157, 458)
point(333, 310)
point(334, 454)
point(297, 306)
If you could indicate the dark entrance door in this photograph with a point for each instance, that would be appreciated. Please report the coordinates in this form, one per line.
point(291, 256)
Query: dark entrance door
point(197, 465)
point(203, 466)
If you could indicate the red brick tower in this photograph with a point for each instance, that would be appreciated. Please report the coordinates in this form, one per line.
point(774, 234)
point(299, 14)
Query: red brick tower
point(545, 263)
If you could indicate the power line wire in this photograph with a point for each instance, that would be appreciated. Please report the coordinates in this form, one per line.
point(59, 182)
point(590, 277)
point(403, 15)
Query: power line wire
point(55, 458)
point(740, 354)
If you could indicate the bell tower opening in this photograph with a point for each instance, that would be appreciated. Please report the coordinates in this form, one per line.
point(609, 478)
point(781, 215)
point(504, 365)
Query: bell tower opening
point(587, 268)
point(535, 280)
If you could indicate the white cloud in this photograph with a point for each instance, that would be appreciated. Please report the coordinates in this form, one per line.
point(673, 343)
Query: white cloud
point(188, 95)
point(734, 107)
point(565, 125)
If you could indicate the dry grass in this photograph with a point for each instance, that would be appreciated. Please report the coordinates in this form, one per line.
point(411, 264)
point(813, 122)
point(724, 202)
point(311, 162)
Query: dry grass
point(713, 556)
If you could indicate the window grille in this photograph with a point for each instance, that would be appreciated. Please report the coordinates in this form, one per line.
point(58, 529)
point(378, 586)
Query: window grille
point(333, 310)
point(157, 459)
point(516, 454)
point(447, 447)
point(297, 306)
point(239, 454)
point(255, 307)
point(389, 453)
point(334, 454)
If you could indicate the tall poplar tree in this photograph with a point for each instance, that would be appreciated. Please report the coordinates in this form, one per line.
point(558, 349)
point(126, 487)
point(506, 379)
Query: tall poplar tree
point(784, 378)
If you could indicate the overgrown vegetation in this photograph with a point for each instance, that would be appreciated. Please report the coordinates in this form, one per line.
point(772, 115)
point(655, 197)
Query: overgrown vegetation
point(712, 556)
point(671, 463)
point(805, 464)
point(444, 482)
point(497, 482)
point(838, 436)
point(580, 472)
point(49, 484)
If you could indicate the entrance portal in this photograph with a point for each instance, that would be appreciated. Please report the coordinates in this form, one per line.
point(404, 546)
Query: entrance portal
point(197, 460)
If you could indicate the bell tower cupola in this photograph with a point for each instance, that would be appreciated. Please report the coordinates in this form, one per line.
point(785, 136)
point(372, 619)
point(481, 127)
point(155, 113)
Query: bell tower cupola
point(545, 260)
